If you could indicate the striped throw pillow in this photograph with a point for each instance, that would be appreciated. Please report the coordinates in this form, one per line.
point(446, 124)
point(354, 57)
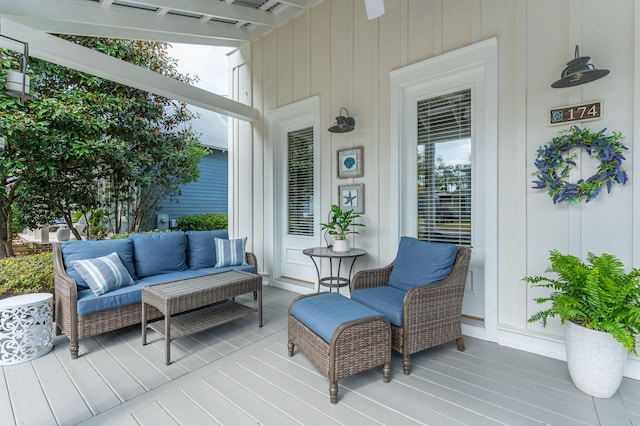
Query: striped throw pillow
point(103, 274)
point(230, 252)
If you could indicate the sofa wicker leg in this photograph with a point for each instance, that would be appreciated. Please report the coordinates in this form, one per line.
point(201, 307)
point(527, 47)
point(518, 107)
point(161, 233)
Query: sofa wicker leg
point(460, 344)
point(333, 392)
point(73, 348)
point(406, 364)
point(58, 331)
point(386, 372)
point(290, 348)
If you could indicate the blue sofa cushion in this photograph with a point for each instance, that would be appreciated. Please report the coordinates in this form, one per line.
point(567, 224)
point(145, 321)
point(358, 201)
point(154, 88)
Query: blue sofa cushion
point(159, 253)
point(79, 250)
point(419, 262)
point(245, 268)
point(171, 276)
point(201, 247)
point(386, 300)
point(89, 303)
point(103, 274)
point(230, 252)
point(325, 312)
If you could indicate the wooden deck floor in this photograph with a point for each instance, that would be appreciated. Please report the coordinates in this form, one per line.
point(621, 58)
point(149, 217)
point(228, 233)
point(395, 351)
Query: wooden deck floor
point(239, 374)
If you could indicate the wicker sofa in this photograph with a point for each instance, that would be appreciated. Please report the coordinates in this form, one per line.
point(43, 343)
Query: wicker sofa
point(423, 304)
point(149, 258)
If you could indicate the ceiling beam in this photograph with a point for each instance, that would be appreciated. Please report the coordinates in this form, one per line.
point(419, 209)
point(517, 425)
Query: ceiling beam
point(217, 9)
point(54, 49)
point(116, 19)
point(89, 30)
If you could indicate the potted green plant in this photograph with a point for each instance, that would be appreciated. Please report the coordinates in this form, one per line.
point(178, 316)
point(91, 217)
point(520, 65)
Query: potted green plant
point(599, 305)
point(340, 226)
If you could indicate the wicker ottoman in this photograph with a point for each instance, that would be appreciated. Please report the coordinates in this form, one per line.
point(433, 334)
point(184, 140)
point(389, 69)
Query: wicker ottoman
point(340, 336)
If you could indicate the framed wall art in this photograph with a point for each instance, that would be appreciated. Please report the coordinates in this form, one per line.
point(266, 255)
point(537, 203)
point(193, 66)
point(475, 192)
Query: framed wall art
point(350, 163)
point(351, 197)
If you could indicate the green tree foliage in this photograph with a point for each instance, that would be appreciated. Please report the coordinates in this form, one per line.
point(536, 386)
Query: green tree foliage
point(85, 143)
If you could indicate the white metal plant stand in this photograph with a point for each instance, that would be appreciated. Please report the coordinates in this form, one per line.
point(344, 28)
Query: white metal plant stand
point(26, 327)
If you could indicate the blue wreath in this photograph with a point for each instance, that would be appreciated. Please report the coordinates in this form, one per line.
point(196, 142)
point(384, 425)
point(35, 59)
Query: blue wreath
point(554, 165)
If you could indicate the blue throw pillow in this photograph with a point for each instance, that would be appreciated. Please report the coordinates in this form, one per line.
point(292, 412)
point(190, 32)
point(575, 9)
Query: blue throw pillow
point(230, 252)
point(420, 262)
point(103, 274)
point(159, 253)
point(201, 247)
point(82, 249)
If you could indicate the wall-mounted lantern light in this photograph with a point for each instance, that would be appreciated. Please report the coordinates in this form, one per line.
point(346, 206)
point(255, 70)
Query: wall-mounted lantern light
point(343, 124)
point(579, 71)
point(18, 82)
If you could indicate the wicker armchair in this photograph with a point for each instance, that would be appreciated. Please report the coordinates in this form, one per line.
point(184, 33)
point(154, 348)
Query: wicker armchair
point(431, 313)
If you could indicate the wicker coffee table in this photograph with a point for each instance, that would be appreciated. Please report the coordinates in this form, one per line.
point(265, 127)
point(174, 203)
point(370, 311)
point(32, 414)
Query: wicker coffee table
point(195, 304)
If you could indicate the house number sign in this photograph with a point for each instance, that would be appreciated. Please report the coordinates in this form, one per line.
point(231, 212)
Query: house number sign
point(582, 112)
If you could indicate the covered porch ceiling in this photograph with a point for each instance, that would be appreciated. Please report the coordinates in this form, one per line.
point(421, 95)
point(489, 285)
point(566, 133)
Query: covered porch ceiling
point(231, 23)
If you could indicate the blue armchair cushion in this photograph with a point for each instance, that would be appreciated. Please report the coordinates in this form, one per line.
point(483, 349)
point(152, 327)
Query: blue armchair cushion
point(420, 262)
point(325, 312)
point(230, 252)
point(201, 247)
point(159, 253)
point(81, 249)
point(386, 299)
point(103, 274)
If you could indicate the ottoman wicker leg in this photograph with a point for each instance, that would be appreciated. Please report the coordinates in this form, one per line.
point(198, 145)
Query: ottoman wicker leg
point(354, 346)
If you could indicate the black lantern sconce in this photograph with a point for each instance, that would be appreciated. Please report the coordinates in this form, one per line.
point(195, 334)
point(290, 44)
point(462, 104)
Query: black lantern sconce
point(343, 124)
point(18, 82)
point(579, 71)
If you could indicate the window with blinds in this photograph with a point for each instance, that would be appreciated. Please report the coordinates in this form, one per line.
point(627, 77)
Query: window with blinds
point(300, 182)
point(444, 168)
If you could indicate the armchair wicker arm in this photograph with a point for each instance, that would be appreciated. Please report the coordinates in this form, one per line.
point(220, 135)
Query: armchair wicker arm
point(371, 278)
point(252, 260)
point(432, 312)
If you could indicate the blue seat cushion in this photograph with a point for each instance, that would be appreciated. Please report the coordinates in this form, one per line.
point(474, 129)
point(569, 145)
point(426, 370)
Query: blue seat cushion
point(171, 276)
point(386, 299)
point(420, 262)
point(325, 312)
point(201, 247)
point(159, 253)
point(81, 250)
point(245, 268)
point(89, 303)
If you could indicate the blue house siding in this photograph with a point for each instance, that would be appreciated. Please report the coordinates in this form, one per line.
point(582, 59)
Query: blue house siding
point(208, 194)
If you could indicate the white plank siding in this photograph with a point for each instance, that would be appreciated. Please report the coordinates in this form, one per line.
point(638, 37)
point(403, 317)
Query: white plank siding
point(240, 374)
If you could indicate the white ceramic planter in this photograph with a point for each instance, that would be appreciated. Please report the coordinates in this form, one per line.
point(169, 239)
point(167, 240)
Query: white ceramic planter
point(340, 245)
point(595, 360)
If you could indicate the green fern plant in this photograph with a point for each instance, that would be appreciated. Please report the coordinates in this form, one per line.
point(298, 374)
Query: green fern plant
point(597, 294)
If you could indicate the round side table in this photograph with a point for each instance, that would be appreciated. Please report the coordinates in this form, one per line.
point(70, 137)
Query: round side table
point(26, 327)
point(334, 280)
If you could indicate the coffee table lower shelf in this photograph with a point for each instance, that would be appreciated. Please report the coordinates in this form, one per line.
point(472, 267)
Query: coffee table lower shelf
point(202, 318)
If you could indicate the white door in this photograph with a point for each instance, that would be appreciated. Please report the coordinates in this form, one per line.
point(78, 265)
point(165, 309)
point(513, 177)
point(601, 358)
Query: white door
point(295, 133)
point(446, 164)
